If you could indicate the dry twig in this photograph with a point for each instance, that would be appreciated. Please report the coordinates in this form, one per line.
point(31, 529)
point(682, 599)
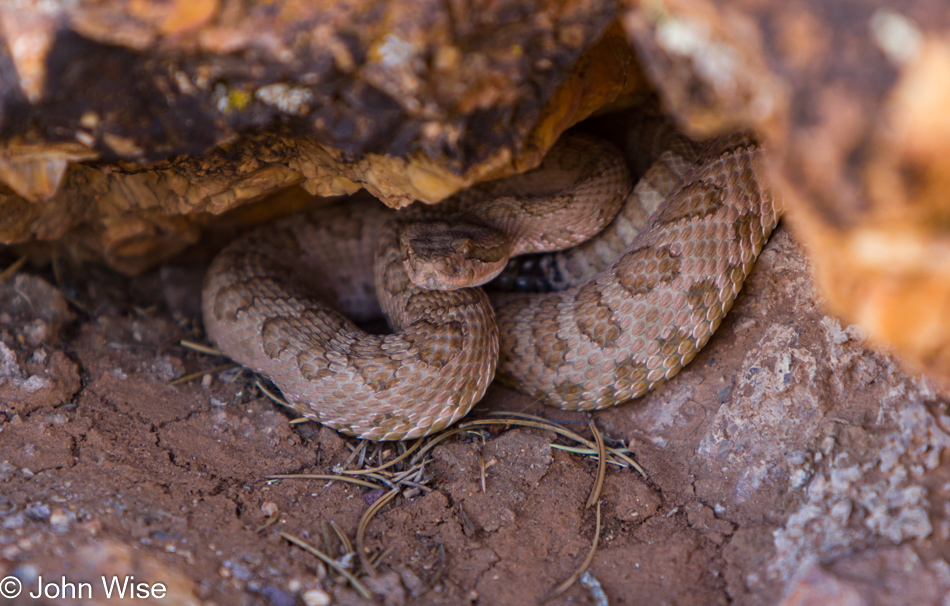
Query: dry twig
point(583, 567)
point(201, 373)
point(359, 587)
point(364, 524)
point(12, 268)
point(398, 459)
point(601, 467)
point(268, 523)
point(322, 476)
point(200, 348)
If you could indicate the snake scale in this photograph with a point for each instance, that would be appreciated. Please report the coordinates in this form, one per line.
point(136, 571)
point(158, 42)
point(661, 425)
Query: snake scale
point(638, 301)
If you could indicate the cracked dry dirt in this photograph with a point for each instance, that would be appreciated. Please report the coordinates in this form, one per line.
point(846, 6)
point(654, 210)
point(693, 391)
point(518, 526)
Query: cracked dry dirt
point(788, 462)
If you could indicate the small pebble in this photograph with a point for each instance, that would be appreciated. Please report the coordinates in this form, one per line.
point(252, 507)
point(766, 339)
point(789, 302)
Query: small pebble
point(241, 572)
point(315, 597)
point(373, 495)
point(277, 596)
point(60, 520)
point(38, 511)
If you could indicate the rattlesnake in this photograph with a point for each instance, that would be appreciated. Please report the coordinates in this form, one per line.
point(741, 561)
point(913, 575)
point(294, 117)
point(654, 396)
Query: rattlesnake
point(269, 297)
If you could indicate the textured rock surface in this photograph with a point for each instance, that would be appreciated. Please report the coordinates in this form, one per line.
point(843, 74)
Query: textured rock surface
point(885, 576)
point(852, 97)
point(161, 78)
point(34, 373)
point(410, 100)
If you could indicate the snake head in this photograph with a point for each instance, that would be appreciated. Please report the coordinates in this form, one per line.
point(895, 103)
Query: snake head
point(439, 255)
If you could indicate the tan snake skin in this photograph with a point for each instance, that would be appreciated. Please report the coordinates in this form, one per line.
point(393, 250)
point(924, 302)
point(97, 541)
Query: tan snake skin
point(466, 241)
point(269, 302)
point(634, 325)
point(263, 307)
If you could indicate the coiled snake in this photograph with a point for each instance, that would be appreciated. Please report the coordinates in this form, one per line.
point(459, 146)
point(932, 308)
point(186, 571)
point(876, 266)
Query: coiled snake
point(638, 305)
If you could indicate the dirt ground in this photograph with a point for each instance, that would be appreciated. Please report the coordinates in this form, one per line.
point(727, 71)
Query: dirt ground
point(787, 464)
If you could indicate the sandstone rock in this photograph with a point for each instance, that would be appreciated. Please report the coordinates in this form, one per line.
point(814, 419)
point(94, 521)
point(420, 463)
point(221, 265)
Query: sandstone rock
point(851, 99)
point(411, 101)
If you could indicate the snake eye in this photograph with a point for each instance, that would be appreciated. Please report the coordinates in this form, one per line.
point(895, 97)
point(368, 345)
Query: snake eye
point(467, 247)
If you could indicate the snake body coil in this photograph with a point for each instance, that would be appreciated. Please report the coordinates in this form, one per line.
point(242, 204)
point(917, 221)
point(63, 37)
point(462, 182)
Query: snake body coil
point(269, 300)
